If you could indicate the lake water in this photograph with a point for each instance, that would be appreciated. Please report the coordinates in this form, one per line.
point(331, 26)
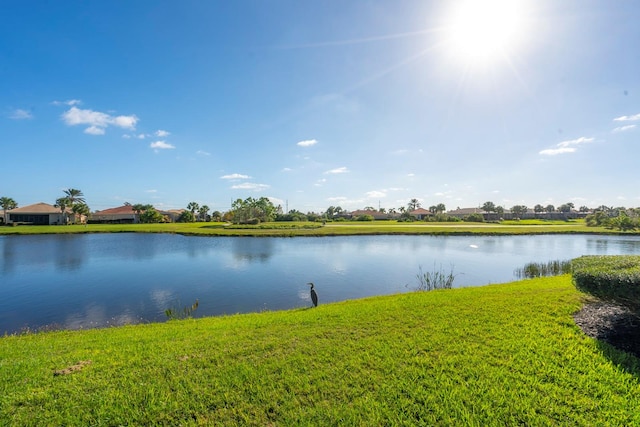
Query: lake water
point(95, 280)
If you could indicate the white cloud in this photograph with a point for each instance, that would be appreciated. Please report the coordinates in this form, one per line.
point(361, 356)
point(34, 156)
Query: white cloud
point(202, 153)
point(633, 118)
point(162, 133)
point(161, 145)
point(141, 136)
point(337, 170)
point(20, 114)
point(307, 143)
point(151, 191)
point(96, 119)
point(556, 151)
point(566, 146)
point(624, 128)
point(286, 169)
point(70, 102)
point(376, 194)
point(337, 199)
point(125, 122)
point(94, 130)
point(581, 140)
point(235, 176)
point(250, 186)
point(125, 136)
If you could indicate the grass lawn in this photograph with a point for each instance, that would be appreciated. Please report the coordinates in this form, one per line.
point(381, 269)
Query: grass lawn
point(505, 354)
point(290, 229)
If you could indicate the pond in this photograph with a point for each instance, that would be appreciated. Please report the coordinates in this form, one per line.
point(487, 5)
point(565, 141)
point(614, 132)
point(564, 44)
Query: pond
point(96, 280)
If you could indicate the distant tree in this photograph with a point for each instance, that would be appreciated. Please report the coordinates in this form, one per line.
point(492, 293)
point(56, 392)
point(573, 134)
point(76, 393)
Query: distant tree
point(550, 208)
point(203, 212)
point(440, 208)
point(433, 209)
point(623, 222)
point(216, 216)
point(7, 203)
point(193, 207)
point(538, 209)
point(139, 209)
point(566, 208)
point(150, 216)
point(584, 209)
point(186, 216)
point(413, 205)
point(81, 209)
point(500, 211)
point(597, 219)
point(488, 207)
point(369, 208)
point(519, 210)
point(250, 210)
point(330, 212)
point(74, 196)
point(63, 203)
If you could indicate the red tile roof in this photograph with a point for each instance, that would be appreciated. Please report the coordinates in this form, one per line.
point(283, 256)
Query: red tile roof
point(122, 210)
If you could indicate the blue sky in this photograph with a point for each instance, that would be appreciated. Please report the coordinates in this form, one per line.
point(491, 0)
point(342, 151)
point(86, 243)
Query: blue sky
point(317, 104)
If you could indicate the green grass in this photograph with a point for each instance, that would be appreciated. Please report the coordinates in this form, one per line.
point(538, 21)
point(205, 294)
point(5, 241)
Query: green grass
point(496, 355)
point(290, 229)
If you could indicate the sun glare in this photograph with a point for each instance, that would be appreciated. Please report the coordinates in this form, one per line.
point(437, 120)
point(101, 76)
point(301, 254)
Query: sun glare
point(482, 30)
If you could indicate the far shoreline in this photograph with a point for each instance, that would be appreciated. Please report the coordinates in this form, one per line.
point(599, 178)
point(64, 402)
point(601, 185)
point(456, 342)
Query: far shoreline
point(330, 229)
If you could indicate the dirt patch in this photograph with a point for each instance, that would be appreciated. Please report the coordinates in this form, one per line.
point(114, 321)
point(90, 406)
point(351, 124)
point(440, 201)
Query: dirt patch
point(612, 323)
point(73, 368)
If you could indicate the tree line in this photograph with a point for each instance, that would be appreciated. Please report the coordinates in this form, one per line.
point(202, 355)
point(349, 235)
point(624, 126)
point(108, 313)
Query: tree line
point(255, 210)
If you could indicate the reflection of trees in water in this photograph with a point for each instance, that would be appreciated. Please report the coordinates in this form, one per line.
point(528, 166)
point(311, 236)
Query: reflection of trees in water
point(252, 249)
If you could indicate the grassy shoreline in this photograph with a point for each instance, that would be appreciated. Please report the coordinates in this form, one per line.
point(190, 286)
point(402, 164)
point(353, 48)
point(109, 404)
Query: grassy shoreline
point(495, 355)
point(285, 229)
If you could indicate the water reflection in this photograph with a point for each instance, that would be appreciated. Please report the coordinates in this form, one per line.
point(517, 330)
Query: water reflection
point(90, 280)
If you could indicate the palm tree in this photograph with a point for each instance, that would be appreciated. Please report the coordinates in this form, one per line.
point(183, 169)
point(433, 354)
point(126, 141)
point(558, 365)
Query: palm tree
point(193, 207)
point(62, 203)
point(413, 205)
point(81, 209)
point(74, 196)
point(203, 211)
point(7, 203)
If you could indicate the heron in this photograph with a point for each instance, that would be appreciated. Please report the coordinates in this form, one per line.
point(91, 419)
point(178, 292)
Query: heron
point(314, 295)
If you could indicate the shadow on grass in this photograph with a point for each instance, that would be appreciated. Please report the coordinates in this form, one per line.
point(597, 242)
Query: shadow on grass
point(617, 330)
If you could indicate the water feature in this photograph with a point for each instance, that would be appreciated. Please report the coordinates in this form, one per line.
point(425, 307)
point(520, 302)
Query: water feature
point(94, 280)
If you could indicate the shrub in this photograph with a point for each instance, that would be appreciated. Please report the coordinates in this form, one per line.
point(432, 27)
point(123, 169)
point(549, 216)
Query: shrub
point(365, 218)
point(474, 217)
point(615, 278)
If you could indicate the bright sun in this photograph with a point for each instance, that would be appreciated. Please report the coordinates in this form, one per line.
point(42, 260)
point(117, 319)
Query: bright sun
point(482, 30)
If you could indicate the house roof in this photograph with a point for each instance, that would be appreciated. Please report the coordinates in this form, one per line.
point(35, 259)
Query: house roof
point(37, 208)
point(121, 210)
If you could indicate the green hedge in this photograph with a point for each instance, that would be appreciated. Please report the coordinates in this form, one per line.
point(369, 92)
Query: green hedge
point(609, 277)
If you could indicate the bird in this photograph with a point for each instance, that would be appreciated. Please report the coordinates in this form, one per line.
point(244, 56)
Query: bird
point(314, 295)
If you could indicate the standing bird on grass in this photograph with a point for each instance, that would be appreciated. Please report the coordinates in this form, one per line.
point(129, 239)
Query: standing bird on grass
point(314, 295)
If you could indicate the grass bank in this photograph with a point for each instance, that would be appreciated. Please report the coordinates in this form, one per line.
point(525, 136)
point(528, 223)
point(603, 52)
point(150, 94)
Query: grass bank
point(497, 355)
point(288, 229)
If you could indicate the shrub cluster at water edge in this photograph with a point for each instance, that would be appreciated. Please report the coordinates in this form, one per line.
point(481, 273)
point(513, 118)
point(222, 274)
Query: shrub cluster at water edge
point(609, 277)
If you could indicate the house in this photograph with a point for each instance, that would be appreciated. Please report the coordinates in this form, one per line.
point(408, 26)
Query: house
point(420, 214)
point(126, 215)
point(40, 214)
point(120, 215)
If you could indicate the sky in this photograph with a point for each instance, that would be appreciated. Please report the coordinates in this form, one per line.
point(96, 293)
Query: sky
point(317, 104)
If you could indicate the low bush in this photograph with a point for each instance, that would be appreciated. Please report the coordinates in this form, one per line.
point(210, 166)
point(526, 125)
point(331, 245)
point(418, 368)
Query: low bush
point(615, 278)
